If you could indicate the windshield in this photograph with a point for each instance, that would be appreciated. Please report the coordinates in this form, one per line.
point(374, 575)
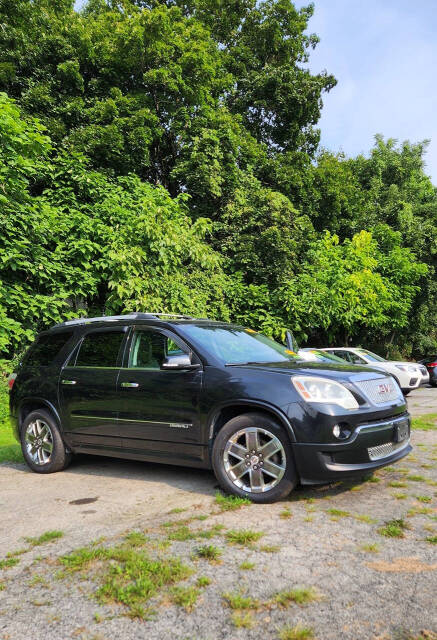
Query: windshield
point(235, 345)
point(373, 357)
point(314, 355)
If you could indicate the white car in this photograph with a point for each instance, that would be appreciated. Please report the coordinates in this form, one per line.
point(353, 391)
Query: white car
point(409, 375)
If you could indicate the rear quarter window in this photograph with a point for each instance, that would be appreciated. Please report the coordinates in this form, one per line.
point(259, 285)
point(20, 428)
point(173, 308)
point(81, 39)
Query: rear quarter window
point(46, 348)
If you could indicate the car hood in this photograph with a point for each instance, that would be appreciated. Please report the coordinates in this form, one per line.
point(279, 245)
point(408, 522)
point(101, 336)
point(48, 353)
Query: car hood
point(335, 371)
point(404, 364)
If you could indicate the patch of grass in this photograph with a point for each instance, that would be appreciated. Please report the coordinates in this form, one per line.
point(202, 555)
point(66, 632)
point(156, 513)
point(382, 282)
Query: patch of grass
point(2, 586)
point(242, 620)
point(209, 552)
point(48, 536)
point(36, 580)
point(185, 597)
point(299, 596)
point(432, 539)
point(419, 510)
point(424, 498)
point(269, 548)
point(136, 539)
point(373, 479)
point(285, 514)
point(10, 450)
point(230, 502)
point(416, 478)
point(338, 513)
point(237, 600)
point(126, 576)
point(8, 563)
point(398, 484)
point(184, 533)
point(426, 422)
point(363, 517)
point(137, 612)
point(370, 547)
point(399, 496)
point(243, 537)
point(394, 528)
point(177, 510)
point(296, 633)
point(17, 552)
point(247, 566)
point(203, 581)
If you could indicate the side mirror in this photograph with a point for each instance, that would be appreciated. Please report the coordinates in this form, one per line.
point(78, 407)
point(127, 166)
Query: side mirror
point(180, 361)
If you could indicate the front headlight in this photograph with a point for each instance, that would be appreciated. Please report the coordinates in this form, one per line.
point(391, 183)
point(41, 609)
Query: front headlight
point(313, 389)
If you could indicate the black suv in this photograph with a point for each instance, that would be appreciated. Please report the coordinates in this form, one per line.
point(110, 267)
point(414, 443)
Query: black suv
point(203, 394)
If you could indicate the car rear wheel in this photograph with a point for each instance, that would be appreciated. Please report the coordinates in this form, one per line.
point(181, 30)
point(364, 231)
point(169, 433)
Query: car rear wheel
point(42, 444)
point(252, 458)
point(406, 391)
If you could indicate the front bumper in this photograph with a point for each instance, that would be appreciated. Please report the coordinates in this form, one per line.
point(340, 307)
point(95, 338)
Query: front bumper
point(371, 446)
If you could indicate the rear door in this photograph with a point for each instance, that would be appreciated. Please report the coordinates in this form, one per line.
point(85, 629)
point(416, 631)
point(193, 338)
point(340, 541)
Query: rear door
point(88, 388)
point(158, 407)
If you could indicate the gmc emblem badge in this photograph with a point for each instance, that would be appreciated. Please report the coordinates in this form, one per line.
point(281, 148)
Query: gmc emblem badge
point(384, 388)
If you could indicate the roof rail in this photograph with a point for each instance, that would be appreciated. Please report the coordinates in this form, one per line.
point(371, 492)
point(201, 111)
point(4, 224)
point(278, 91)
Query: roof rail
point(128, 316)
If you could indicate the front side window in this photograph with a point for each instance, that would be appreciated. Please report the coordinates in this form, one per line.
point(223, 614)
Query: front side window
point(46, 348)
point(355, 359)
point(371, 357)
point(150, 348)
point(100, 349)
point(235, 345)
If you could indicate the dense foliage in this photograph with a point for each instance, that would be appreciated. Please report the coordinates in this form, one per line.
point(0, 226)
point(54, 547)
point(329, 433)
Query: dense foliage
point(164, 156)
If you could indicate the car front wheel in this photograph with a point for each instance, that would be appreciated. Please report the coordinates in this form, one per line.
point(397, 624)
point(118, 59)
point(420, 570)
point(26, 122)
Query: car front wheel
point(42, 444)
point(252, 458)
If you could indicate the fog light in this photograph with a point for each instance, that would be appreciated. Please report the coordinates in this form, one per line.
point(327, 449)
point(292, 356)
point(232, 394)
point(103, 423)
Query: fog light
point(341, 431)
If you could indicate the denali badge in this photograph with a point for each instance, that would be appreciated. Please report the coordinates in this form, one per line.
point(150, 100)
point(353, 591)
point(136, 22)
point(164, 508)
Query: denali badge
point(179, 425)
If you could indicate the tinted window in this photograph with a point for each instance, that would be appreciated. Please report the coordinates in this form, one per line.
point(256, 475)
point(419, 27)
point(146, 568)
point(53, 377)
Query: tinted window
point(149, 348)
point(233, 345)
point(46, 348)
point(371, 356)
point(100, 349)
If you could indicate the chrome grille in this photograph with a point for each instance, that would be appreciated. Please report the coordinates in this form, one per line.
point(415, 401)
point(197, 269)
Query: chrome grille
point(380, 390)
point(384, 450)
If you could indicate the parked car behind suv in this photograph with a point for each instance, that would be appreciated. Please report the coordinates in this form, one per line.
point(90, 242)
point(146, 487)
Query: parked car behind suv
point(409, 375)
point(203, 394)
point(430, 363)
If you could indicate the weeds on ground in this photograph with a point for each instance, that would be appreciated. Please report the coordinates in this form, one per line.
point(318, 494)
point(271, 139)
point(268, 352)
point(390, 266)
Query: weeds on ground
point(427, 422)
point(338, 513)
point(236, 600)
point(242, 620)
point(299, 596)
point(184, 533)
point(398, 484)
point(416, 478)
point(127, 576)
point(269, 548)
point(48, 536)
point(296, 633)
point(285, 514)
point(177, 510)
point(203, 581)
point(431, 539)
point(394, 528)
point(209, 552)
point(247, 566)
point(230, 502)
point(8, 562)
point(363, 517)
point(185, 597)
point(370, 547)
point(243, 537)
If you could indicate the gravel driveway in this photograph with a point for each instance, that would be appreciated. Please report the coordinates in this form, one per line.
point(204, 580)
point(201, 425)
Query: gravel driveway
point(322, 563)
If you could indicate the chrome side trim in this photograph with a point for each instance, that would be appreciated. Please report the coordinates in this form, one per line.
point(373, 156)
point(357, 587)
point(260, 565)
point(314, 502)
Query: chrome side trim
point(180, 425)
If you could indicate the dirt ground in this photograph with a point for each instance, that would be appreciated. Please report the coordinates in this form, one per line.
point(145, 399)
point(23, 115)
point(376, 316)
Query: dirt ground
point(328, 540)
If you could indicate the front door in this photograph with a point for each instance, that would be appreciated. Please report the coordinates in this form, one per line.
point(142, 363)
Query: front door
point(88, 389)
point(158, 407)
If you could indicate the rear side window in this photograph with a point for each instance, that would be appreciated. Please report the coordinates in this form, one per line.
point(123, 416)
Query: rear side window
point(100, 349)
point(46, 348)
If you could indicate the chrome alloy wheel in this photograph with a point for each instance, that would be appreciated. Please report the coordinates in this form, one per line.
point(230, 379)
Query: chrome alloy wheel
point(39, 442)
point(254, 460)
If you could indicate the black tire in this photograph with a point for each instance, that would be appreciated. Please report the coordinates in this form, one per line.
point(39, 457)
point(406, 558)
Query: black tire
point(266, 425)
point(42, 460)
point(433, 384)
point(406, 391)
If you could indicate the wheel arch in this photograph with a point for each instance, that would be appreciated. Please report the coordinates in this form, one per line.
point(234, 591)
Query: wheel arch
point(28, 405)
point(228, 410)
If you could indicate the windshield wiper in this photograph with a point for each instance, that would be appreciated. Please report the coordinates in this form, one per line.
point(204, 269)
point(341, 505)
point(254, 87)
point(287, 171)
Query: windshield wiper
point(242, 364)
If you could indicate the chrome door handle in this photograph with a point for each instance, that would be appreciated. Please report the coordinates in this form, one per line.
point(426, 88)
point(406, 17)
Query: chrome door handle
point(131, 385)
point(68, 381)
